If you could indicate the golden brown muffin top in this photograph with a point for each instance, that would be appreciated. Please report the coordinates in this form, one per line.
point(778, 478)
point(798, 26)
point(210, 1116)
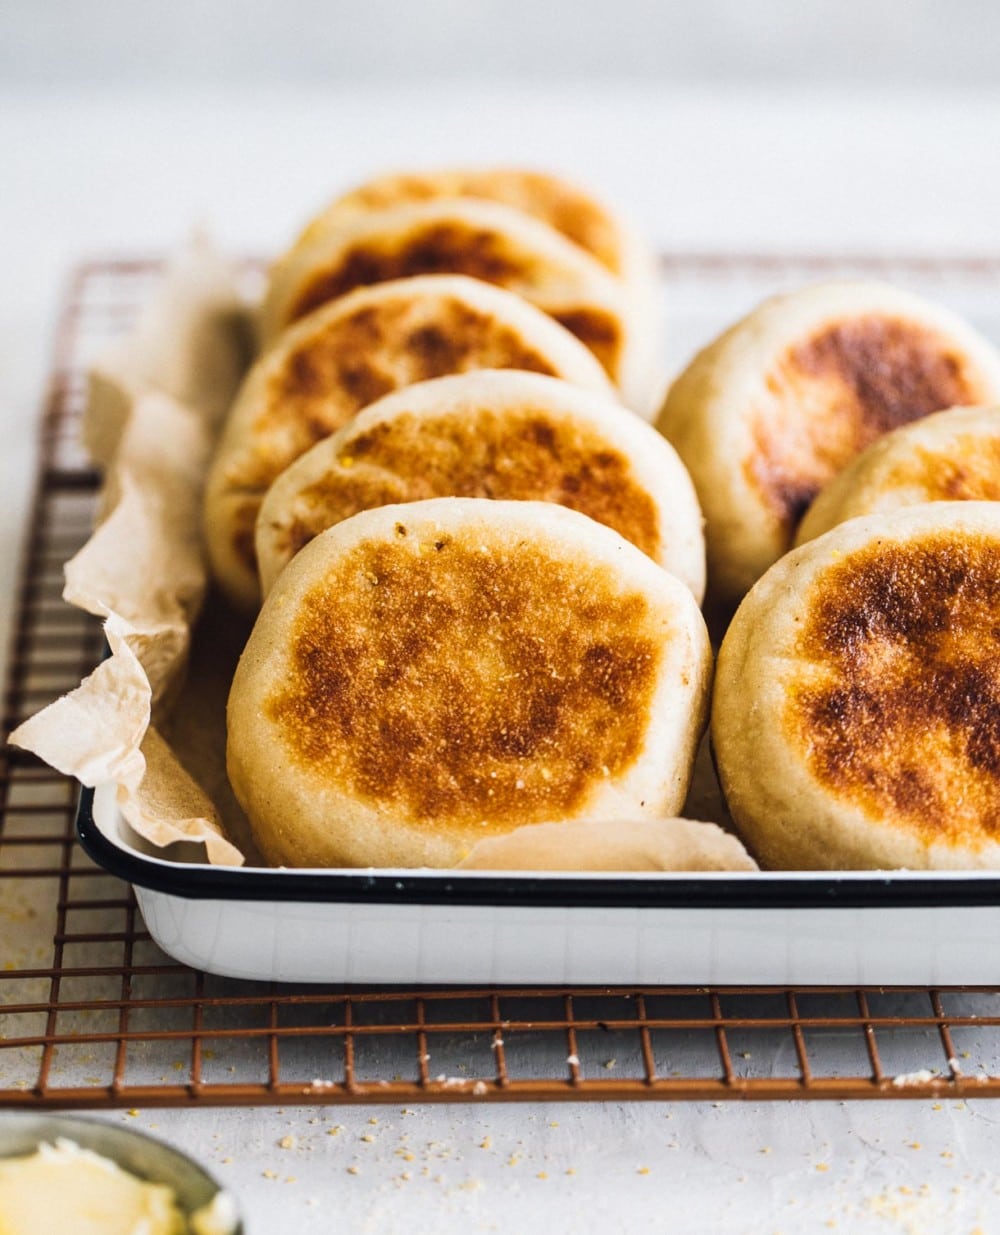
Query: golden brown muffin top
point(453, 682)
point(563, 206)
point(968, 470)
point(522, 454)
point(831, 395)
point(896, 706)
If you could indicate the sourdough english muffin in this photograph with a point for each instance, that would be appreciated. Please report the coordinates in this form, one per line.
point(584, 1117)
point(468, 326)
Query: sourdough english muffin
point(345, 356)
point(485, 240)
point(424, 676)
point(856, 713)
point(950, 456)
point(779, 404)
point(492, 434)
point(565, 207)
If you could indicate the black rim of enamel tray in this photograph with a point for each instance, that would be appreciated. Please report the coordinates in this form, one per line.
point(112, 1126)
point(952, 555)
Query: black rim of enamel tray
point(850, 890)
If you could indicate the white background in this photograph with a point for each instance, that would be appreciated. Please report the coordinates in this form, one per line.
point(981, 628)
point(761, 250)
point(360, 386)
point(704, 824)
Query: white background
point(721, 125)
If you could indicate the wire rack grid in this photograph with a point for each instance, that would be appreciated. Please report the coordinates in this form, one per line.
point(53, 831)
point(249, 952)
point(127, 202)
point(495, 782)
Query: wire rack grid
point(93, 1014)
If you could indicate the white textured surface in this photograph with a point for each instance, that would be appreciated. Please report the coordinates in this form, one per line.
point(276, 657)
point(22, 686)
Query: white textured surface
point(759, 1169)
point(120, 172)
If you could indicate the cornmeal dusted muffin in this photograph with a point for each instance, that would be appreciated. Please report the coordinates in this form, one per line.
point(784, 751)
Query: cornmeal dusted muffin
point(427, 675)
point(564, 206)
point(495, 434)
point(856, 713)
point(778, 405)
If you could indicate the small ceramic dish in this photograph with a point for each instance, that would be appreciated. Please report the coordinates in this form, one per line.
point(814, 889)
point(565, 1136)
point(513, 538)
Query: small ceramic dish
point(21, 1132)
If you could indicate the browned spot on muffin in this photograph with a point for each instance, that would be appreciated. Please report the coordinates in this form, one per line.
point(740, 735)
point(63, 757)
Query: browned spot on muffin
point(243, 523)
point(435, 248)
point(545, 197)
point(833, 394)
point(450, 685)
point(966, 470)
point(526, 455)
point(901, 715)
point(599, 330)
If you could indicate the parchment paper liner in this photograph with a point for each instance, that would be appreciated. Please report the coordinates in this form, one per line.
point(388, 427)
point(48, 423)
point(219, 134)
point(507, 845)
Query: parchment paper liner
point(140, 721)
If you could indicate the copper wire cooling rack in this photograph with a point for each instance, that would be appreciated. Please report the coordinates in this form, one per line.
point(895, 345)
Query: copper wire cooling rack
point(93, 1014)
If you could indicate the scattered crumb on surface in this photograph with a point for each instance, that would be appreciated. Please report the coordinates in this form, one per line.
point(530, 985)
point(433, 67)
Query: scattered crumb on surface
point(921, 1077)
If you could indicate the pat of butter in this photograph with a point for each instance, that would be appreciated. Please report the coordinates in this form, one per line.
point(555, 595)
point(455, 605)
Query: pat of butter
point(62, 1187)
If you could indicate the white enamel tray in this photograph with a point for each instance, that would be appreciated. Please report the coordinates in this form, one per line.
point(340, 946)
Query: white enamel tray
point(432, 927)
point(405, 926)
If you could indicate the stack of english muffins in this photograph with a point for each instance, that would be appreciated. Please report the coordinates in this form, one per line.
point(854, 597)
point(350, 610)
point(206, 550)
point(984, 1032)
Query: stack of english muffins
point(476, 569)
